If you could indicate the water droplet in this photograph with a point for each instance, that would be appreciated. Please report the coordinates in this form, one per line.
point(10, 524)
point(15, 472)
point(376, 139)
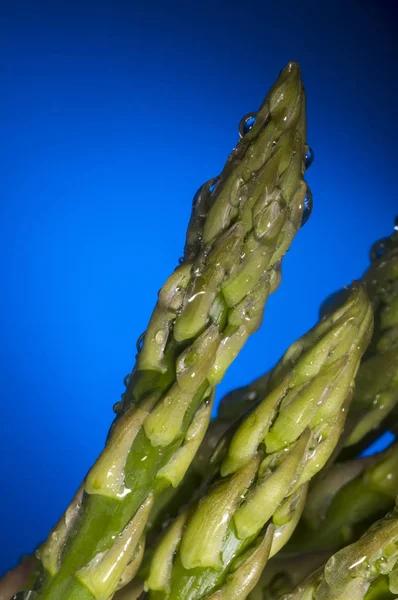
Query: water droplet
point(192, 298)
point(246, 123)
point(140, 342)
point(214, 184)
point(117, 407)
point(180, 260)
point(309, 157)
point(358, 562)
point(127, 379)
point(307, 207)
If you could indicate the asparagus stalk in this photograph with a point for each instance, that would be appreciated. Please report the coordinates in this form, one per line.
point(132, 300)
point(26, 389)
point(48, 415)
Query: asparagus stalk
point(345, 499)
point(359, 571)
point(341, 504)
point(242, 224)
point(218, 547)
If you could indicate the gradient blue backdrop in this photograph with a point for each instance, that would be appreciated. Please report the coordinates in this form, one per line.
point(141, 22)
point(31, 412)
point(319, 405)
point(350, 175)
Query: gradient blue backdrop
point(113, 114)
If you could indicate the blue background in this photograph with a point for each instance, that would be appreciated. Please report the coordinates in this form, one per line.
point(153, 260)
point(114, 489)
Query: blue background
point(112, 115)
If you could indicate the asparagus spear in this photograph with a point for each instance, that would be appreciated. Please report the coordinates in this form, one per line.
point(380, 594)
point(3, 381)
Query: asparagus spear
point(358, 571)
point(218, 547)
point(341, 504)
point(242, 224)
point(345, 499)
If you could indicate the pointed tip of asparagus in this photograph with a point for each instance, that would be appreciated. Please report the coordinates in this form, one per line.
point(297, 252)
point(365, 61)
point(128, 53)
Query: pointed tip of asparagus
point(293, 67)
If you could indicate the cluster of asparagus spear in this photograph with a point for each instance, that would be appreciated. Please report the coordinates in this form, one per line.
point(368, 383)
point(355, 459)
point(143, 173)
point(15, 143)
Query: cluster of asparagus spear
point(270, 500)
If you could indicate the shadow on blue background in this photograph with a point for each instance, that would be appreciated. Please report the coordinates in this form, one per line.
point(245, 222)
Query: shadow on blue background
point(113, 114)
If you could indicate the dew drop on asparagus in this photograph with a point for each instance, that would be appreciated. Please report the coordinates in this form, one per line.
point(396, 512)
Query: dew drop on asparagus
point(140, 342)
point(307, 207)
point(247, 123)
point(309, 157)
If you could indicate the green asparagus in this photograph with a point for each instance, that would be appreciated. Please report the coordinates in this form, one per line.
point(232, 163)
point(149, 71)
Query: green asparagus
point(359, 571)
point(345, 500)
point(242, 224)
point(341, 504)
point(218, 547)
